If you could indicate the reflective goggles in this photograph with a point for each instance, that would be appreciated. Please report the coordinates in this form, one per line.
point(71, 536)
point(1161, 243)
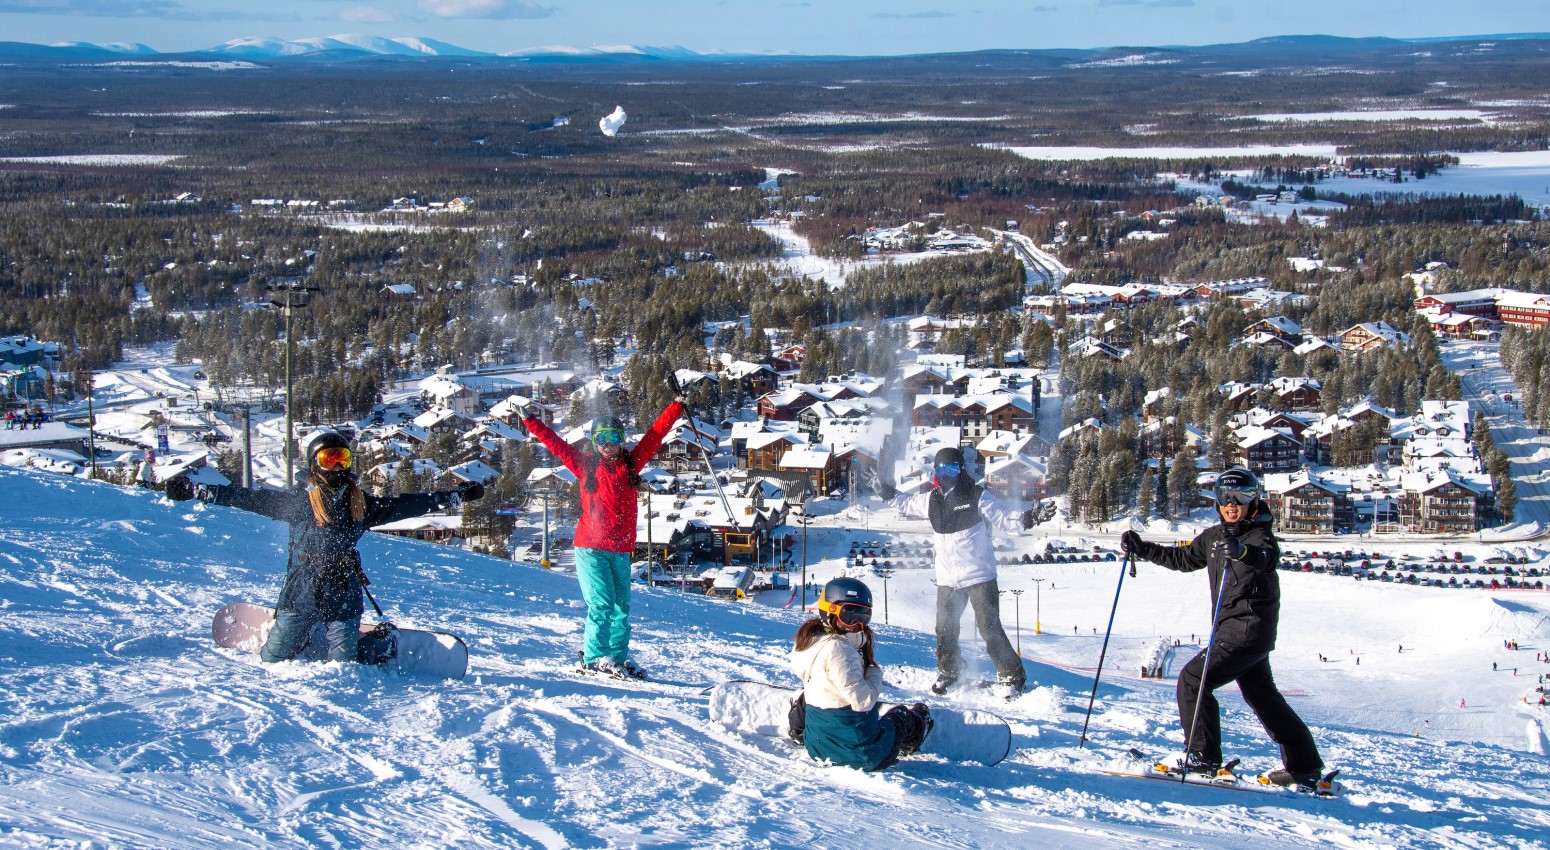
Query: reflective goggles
point(849, 613)
point(333, 457)
point(608, 437)
point(948, 470)
point(1236, 496)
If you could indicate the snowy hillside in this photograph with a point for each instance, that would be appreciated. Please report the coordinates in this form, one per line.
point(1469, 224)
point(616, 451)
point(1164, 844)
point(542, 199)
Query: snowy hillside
point(122, 726)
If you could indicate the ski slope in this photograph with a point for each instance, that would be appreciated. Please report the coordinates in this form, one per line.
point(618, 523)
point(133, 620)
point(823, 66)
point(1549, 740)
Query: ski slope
point(121, 725)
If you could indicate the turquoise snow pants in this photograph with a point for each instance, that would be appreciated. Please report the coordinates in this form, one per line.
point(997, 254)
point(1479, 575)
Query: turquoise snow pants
point(605, 587)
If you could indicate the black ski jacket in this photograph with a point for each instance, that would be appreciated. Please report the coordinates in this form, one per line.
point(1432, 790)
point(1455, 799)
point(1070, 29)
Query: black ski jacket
point(1251, 600)
point(323, 577)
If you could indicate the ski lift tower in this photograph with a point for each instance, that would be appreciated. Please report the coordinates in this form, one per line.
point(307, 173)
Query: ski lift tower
point(288, 294)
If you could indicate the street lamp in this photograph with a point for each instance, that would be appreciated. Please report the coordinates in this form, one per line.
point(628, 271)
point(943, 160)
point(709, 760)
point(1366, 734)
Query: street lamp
point(288, 295)
point(885, 574)
point(1017, 612)
point(1037, 588)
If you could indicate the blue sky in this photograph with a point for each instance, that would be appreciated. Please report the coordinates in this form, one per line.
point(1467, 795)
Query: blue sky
point(854, 27)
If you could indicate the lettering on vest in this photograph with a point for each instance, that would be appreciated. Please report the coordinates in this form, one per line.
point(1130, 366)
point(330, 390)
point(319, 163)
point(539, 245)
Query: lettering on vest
point(956, 510)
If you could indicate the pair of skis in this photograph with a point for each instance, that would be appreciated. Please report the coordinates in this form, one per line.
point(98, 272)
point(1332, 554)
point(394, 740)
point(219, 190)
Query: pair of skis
point(1225, 777)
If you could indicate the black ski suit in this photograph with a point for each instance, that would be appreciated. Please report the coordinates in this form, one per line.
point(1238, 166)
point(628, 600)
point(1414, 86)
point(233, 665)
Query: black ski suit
point(1243, 636)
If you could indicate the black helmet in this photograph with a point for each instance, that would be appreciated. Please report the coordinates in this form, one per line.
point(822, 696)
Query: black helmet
point(949, 454)
point(1237, 486)
point(845, 606)
point(319, 439)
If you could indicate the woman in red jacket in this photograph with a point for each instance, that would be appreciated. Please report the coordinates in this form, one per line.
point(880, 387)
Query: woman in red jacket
point(609, 477)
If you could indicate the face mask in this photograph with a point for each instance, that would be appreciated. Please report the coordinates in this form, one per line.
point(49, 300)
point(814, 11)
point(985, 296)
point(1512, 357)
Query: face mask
point(855, 639)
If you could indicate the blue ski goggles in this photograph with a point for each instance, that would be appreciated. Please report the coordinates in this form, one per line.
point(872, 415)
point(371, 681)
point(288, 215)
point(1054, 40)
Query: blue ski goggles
point(948, 470)
point(608, 437)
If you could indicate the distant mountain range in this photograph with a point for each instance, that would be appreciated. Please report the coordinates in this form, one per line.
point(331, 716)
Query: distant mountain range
point(354, 47)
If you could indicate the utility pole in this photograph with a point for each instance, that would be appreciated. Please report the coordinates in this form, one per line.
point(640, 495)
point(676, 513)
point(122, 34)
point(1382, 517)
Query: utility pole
point(806, 501)
point(247, 446)
point(1038, 584)
point(1017, 613)
point(288, 295)
point(543, 559)
point(885, 574)
point(91, 420)
point(651, 552)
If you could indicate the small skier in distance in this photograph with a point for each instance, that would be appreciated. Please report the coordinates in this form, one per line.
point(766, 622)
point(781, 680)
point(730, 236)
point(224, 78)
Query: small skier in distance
point(1240, 555)
point(836, 718)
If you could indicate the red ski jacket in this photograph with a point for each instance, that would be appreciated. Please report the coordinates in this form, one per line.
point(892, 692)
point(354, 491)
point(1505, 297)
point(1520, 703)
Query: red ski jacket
point(607, 492)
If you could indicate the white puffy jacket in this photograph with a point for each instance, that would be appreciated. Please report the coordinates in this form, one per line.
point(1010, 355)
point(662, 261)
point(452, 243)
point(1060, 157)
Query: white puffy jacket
point(832, 675)
point(963, 558)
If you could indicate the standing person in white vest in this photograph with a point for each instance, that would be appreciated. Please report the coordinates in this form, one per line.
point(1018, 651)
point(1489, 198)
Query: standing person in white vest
point(962, 514)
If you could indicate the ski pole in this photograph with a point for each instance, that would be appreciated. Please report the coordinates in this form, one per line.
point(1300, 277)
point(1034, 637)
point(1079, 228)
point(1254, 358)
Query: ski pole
point(699, 440)
point(1205, 665)
point(367, 590)
point(1130, 560)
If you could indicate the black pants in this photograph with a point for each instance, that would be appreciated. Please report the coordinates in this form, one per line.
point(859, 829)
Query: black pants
point(1251, 670)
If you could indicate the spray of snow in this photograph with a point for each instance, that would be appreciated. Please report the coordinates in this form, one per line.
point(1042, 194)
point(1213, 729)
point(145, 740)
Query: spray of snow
point(611, 122)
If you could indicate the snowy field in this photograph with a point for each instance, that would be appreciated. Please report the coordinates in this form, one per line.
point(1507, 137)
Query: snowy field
point(798, 259)
point(121, 725)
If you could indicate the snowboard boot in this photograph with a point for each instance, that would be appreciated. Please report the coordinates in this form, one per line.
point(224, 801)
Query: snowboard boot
point(632, 670)
point(911, 725)
point(943, 683)
point(1301, 780)
point(1009, 687)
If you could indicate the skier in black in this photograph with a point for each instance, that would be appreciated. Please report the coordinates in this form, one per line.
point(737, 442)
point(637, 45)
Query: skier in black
point(1241, 556)
point(323, 576)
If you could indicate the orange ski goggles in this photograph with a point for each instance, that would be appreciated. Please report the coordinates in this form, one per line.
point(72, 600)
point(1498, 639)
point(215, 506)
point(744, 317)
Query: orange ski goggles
point(333, 457)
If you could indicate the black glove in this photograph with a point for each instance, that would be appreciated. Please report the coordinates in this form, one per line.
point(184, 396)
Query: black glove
point(1132, 544)
point(1028, 519)
point(469, 491)
point(1230, 548)
point(180, 489)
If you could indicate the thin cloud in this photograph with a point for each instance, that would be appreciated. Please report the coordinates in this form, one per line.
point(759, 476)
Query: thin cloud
point(486, 9)
point(96, 8)
point(1152, 4)
point(166, 10)
point(901, 16)
point(367, 15)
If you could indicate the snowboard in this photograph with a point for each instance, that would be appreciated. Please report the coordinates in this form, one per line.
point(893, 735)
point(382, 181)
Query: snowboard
point(755, 708)
point(1137, 765)
point(244, 626)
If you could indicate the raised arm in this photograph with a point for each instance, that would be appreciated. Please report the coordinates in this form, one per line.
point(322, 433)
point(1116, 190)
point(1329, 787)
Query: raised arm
point(565, 452)
point(647, 448)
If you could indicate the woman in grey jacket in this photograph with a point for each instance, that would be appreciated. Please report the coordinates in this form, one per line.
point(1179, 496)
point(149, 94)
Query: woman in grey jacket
point(961, 514)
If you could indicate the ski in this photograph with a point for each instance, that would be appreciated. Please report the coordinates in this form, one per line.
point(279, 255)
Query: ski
point(1137, 765)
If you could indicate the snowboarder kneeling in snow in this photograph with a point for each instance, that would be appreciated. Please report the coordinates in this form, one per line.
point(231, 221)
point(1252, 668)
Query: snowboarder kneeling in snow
point(1240, 555)
point(961, 514)
point(323, 577)
point(837, 716)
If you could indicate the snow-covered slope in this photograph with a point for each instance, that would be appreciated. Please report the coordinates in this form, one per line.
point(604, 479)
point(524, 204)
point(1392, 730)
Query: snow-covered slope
point(121, 725)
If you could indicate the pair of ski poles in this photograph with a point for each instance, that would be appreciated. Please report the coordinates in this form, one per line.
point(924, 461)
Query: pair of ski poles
point(1129, 565)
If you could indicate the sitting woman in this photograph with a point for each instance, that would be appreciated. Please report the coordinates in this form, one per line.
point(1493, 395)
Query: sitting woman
point(837, 716)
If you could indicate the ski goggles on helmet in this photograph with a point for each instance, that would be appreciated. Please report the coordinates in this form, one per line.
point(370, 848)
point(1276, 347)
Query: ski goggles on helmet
point(608, 437)
point(333, 457)
point(948, 470)
point(849, 613)
point(1236, 496)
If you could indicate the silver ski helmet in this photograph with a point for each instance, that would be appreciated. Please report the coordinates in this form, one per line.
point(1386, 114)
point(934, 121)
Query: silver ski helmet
point(845, 605)
point(1238, 486)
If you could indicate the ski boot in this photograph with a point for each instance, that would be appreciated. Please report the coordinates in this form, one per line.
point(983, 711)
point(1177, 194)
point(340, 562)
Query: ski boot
point(632, 670)
point(1305, 781)
point(943, 683)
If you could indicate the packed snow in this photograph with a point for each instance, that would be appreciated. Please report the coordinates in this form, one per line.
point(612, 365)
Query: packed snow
point(123, 726)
